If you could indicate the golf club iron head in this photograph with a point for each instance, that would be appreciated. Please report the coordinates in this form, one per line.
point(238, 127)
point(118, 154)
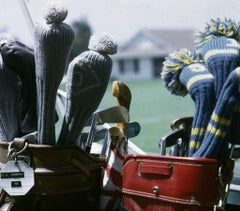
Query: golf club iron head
point(115, 114)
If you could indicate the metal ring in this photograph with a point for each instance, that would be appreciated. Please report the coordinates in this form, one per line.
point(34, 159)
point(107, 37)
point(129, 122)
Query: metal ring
point(14, 151)
point(11, 153)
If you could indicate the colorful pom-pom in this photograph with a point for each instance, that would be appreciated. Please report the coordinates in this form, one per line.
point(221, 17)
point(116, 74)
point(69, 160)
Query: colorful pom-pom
point(103, 43)
point(55, 12)
point(172, 67)
point(217, 27)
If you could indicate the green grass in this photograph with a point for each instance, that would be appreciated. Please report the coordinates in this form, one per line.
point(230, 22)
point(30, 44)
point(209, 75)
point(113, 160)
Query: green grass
point(154, 107)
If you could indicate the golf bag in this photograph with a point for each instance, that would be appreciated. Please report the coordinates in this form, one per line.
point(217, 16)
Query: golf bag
point(171, 183)
point(66, 178)
point(111, 193)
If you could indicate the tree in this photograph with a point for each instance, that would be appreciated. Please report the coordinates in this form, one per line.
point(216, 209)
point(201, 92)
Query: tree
point(82, 35)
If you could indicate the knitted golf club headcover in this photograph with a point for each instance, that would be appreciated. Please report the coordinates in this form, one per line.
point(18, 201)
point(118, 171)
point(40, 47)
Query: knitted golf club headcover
point(219, 46)
point(216, 138)
point(53, 43)
point(20, 58)
point(183, 74)
point(87, 79)
point(9, 100)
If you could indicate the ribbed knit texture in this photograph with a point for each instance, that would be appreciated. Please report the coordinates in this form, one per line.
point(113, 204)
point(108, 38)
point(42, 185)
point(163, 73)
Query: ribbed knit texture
point(87, 79)
point(221, 55)
point(200, 84)
point(53, 43)
point(216, 139)
point(20, 59)
point(9, 99)
point(183, 74)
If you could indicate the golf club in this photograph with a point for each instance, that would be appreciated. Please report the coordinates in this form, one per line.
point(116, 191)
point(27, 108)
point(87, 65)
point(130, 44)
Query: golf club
point(131, 130)
point(114, 135)
point(115, 114)
point(27, 16)
point(123, 94)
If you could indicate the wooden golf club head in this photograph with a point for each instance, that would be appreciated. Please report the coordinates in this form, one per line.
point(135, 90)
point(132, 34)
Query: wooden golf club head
point(116, 134)
point(123, 94)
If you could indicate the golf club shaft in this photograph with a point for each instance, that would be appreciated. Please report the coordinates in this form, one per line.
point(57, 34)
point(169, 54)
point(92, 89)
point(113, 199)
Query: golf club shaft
point(27, 16)
point(91, 134)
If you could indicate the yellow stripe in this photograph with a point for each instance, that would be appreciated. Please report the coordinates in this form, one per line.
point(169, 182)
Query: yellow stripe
point(194, 144)
point(220, 120)
point(198, 131)
point(197, 78)
point(220, 51)
point(237, 70)
point(216, 131)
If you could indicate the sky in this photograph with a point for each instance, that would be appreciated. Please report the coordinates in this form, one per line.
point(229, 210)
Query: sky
point(121, 18)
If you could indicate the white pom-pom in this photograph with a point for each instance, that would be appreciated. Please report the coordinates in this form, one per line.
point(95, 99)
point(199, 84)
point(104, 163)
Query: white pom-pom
point(103, 43)
point(55, 12)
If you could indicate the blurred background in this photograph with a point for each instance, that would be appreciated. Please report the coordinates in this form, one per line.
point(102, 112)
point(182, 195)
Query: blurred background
point(146, 31)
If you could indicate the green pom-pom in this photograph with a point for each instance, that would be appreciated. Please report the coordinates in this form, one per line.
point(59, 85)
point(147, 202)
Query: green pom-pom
point(217, 27)
point(103, 43)
point(172, 67)
point(55, 12)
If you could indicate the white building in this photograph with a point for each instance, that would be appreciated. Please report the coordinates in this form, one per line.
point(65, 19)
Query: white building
point(142, 56)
